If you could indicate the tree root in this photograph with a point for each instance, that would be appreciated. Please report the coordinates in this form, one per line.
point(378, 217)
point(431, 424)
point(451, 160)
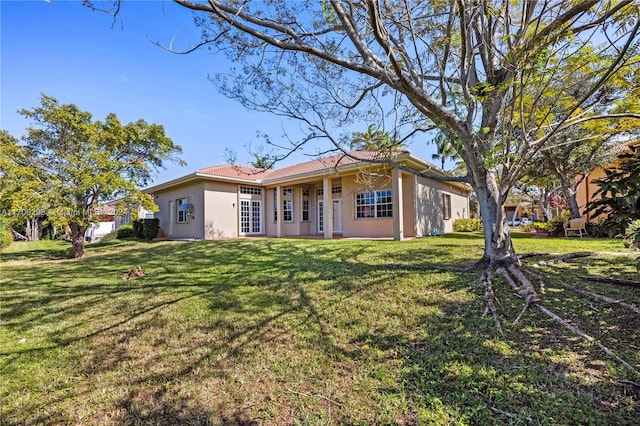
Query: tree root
point(604, 299)
point(490, 298)
point(588, 338)
point(525, 289)
point(610, 280)
point(564, 257)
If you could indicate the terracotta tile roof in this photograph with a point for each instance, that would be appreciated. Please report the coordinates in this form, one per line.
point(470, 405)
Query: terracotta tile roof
point(234, 171)
point(322, 164)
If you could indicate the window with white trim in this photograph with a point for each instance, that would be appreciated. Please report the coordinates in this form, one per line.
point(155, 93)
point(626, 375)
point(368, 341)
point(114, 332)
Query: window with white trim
point(275, 204)
point(181, 207)
point(250, 190)
point(305, 205)
point(375, 204)
point(446, 206)
point(287, 210)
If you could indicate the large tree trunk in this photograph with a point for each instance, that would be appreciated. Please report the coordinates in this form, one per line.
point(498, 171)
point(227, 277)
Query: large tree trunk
point(77, 240)
point(545, 204)
point(570, 194)
point(498, 249)
point(32, 229)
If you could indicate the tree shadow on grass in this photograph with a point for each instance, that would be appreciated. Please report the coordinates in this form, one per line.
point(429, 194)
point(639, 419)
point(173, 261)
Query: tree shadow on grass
point(268, 331)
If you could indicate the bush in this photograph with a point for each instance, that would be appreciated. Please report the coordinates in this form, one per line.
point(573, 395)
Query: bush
point(632, 235)
point(5, 235)
point(555, 226)
point(138, 228)
point(125, 231)
point(540, 226)
point(467, 225)
point(146, 229)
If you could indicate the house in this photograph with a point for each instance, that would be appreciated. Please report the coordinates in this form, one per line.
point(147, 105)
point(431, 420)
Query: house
point(105, 223)
point(335, 196)
point(587, 188)
point(125, 214)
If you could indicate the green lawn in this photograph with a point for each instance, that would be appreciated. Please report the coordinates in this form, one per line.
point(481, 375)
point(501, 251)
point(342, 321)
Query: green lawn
point(292, 331)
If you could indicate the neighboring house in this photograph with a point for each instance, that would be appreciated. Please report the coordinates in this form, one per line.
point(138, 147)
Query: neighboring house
point(523, 207)
point(106, 223)
point(327, 197)
point(130, 213)
point(587, 188)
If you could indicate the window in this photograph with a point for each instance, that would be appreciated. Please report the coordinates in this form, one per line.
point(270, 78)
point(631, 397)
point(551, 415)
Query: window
point(374, 204)
point(320, 191)
point(336, 190)
point(446, 206)
point(287, 191)
point(181, 206)
point(287, 210)
point(275, 204)
point(250, 190)
point(305, 204)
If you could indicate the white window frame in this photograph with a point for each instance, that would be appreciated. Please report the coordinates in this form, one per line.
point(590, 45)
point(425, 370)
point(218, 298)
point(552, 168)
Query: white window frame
point(374, 204)
point(181, 215)
point(446, 206)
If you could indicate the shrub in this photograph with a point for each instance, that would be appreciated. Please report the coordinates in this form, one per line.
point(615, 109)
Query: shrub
point(555, 226)
point(540, 226)
point(151, 228)
point(632, 235)
point(5, 235)
point(467, 225)
point(138, 228)
point(146, 229)
point(125, 231)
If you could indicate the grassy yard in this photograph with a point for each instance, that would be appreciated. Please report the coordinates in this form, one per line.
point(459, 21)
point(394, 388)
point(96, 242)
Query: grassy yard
point(291, 331)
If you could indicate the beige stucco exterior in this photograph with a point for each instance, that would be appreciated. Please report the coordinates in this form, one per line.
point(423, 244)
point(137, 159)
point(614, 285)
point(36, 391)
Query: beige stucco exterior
point(224, 207)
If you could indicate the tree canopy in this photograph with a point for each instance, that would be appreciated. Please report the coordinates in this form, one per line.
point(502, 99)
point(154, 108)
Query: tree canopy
point(67, 163)
point(501, 78)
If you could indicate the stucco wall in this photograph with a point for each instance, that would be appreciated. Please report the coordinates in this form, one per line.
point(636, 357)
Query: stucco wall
point(429, 206)
point(194, 228)
point(586, 189)
point(221, 210)
point(364, 227)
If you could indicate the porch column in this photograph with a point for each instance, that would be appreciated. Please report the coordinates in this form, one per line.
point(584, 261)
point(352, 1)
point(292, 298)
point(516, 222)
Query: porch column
point(396, 186)
point(327, 208)
point(279, 210)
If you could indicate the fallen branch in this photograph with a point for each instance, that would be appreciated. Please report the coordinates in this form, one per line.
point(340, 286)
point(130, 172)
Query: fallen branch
point(507, 414)
point(629, 382)
point(18, 236)
point(610, 280)
point(308, 395)
point(504, 413)
point(588, 338)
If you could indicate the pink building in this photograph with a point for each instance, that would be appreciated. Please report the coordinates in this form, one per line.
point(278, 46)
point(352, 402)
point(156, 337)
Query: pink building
point(336, 196)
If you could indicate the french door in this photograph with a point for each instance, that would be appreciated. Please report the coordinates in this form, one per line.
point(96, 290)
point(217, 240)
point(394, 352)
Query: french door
point(250, 217)
point(337, 216)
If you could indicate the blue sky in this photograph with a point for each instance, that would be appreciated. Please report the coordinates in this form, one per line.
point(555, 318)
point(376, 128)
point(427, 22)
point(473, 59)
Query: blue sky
point(65, 50)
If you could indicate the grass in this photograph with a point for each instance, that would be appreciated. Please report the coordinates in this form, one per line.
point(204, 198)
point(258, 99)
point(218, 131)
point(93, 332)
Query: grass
point(313, 332)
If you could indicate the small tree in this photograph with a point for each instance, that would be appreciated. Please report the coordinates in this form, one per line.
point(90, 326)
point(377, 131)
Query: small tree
point(75, 162)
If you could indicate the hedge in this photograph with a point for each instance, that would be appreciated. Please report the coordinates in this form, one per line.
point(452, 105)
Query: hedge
point(467, 225)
